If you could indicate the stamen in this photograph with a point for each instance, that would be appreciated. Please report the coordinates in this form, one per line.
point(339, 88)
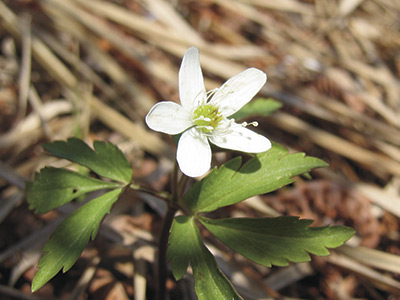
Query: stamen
point(207, 117)
point(200, 99)
point(202, 118)
point(211, 93)
point(208, 128)
point(225, 128)
point(245, 124)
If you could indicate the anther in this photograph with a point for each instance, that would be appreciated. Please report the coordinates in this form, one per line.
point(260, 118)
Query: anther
point(255, 124)
point(209, 128)
point(202, 118)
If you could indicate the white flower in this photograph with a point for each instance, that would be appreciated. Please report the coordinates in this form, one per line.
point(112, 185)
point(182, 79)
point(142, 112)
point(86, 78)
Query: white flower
point(203, 117)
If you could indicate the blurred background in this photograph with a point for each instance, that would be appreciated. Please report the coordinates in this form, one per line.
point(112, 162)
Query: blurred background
point(92, 69)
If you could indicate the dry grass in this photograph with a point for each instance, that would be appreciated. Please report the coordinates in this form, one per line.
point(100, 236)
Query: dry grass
point(93, 69)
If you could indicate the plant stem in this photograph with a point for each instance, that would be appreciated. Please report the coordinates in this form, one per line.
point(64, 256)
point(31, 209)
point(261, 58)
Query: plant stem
point(162, 253)
point(143, 189)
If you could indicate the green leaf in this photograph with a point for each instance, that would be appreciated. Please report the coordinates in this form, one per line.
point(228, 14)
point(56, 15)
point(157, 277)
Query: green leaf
point(258, 107)
point(263, 173)
point(276, 241)
point(54, 187)
point(186, 246)
point(106, 159)
point(70, 238)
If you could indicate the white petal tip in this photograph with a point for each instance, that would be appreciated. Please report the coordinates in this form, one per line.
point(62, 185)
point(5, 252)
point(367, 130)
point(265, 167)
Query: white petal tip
point(194, 153)
point(261, 76)
point(264, 147)
point(193, 168)
point(194, 174)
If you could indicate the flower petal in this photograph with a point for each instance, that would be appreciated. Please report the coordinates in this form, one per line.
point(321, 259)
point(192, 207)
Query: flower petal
point(238, 90)
point(194, 153)
point(168, 117)
point(242, 139)
point(191, 82)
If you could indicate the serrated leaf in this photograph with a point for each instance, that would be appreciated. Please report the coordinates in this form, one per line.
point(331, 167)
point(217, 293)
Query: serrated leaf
point(54, 187)
point(258, 107)
point(70, 238)
point(276, 241)
point(186, 246)
point(105, 160)
point(264, 173)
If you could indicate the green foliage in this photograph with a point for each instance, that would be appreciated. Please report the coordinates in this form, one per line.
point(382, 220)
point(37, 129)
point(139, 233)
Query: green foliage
point(232, 183)
point(276, 241)
point(105, 160)
point(270, 241)
point(70, 238)
point(187, 247)
point(258, 107)
point(54, 187)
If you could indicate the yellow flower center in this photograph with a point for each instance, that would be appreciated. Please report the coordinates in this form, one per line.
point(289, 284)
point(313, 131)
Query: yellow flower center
point(207, 117)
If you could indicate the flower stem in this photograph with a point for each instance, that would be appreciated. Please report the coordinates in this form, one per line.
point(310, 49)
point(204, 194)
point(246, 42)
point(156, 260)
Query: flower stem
point(162, 253)
point(142, 189)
